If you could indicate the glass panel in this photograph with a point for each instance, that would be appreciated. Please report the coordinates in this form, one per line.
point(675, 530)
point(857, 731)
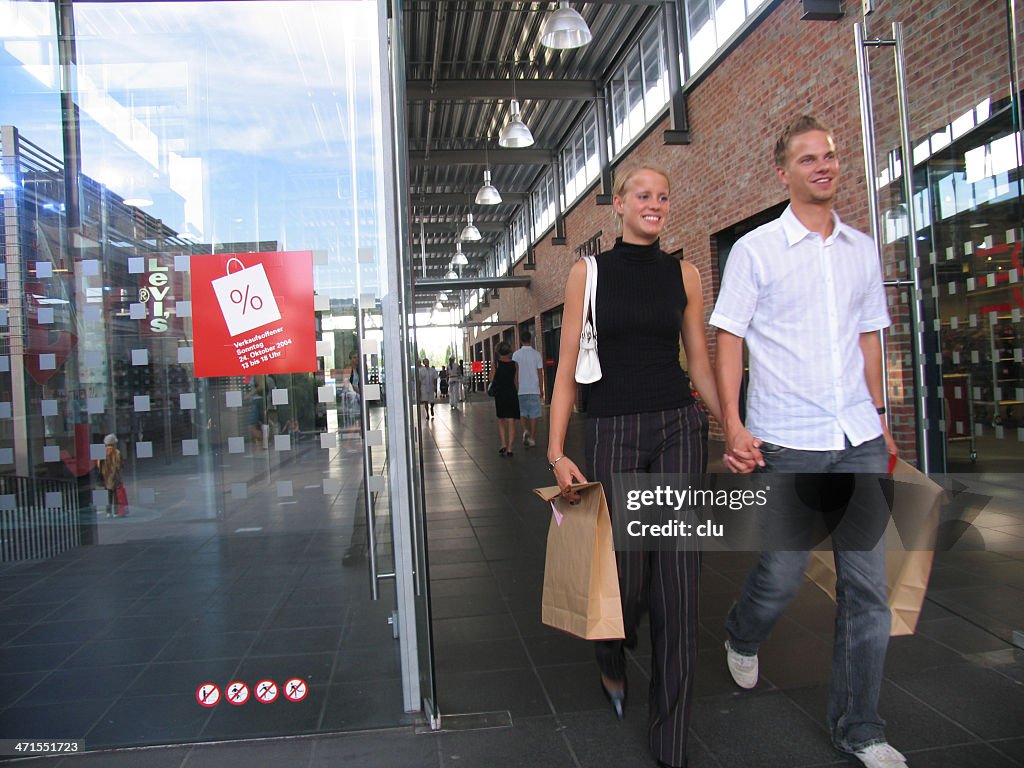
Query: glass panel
point(238, 564)
point(655, 73)
point(967, 204)
point(700, 31)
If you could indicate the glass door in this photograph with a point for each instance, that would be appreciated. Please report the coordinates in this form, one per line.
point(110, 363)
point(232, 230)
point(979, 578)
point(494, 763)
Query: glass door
point(203, 456)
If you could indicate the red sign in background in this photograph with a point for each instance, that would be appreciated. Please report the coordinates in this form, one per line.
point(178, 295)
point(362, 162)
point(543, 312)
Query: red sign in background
point(252, 313)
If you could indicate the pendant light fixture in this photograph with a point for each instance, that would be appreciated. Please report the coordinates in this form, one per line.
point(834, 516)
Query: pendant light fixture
point(459, 260)
point(488, 193)
point(515, 134)
point(469, 232)
point(564, 28)
point(451, 274)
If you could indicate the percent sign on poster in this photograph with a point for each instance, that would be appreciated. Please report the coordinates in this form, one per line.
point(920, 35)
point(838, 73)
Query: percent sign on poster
point(245, 298)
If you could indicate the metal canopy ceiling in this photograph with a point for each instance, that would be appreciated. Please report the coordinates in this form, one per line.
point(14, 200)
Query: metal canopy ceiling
point(465, 59)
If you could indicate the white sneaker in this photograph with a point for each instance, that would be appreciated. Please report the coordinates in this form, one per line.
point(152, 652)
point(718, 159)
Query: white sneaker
point(880, 756)
point(742, 668)
point(529, 442)
point(526, 438)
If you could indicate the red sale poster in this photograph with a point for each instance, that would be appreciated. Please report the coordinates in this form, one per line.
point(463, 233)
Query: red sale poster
point(252, 313)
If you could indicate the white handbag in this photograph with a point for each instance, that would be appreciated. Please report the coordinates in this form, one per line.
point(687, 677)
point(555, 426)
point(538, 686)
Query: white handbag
point(588, 365)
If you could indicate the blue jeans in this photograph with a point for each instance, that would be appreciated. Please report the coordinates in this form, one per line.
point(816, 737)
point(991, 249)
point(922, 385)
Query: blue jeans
point(862, 615)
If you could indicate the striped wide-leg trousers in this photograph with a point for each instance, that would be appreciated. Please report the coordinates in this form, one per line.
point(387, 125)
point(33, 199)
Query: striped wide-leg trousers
point(666, 584)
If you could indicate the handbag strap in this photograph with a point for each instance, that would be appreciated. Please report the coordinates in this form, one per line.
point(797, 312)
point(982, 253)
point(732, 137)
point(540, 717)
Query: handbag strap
point(590, 295)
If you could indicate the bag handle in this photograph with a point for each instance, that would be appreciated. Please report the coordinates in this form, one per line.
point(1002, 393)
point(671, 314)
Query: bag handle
point(590, 298)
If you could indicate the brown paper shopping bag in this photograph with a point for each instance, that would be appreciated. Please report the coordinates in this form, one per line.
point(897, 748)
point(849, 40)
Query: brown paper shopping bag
point(581, 582)
point(910, 548)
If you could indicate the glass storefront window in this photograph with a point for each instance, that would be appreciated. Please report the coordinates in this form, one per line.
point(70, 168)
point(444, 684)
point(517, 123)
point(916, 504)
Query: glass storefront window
point(191, 532)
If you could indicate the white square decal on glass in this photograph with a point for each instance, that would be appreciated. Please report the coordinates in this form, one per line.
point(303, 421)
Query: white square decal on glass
point(144, 450)
point(181, 262)
point(48, 407)
point(189, 447)
point(94, 359)
point(6, 455)
point(44, 269)
point(3, 271)
point(137, 311)
point(7, 502)
point(51, 453)
point(90, 267)
point(97, 451)
point(53, 500)
point(94, 405)
point(279, 396)
point(371, 392)
point(236, 445)
point(183, 308)
point(147, 496)
point(324, 348)
point(282, 442)
point(99, 499)
point(376, 484)
point(233, 398)
point(187, 401)
point(320, 257)
point(5, 363)
point(332, 487)
point(284, 489)
point(371, 346)
point(239, 491)
point(5, 410)
point(45, 315)
point(93, 313)
point(3, 317)
point(48, 362)
point(136, 265)
point(327, 440)
point(375, 437)
point(367, 300)
point(321, 303)
point(141, 403)
point(325, 394)
point(140, 357)
point(186, 355)
point(364, 255)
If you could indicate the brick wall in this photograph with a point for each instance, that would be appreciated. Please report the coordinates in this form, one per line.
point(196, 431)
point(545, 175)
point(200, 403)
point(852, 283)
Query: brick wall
point(956, 56)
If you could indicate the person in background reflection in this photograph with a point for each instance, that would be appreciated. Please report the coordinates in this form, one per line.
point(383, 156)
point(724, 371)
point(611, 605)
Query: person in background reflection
point(110, 470)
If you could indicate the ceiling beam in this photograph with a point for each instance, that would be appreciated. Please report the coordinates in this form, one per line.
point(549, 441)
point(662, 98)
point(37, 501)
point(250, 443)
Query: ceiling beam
point(495, 90)
point(469, 283)
point(480, 157)
point(457, 225)
point(454, 198)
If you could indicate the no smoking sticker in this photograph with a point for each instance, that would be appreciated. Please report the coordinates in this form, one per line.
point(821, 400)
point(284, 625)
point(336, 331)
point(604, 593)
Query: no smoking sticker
point(237, 693)
point(208, 695)
point(266, 691)
point(295, 689)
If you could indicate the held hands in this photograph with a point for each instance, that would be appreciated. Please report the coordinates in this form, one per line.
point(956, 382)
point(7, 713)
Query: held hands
point(742, 451)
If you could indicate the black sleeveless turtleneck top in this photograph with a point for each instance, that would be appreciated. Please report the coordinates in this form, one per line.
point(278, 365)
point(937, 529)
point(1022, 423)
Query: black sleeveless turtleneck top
point(640, 303)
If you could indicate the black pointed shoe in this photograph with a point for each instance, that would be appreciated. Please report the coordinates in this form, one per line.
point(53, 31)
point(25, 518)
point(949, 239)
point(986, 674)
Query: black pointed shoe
point(617, 699)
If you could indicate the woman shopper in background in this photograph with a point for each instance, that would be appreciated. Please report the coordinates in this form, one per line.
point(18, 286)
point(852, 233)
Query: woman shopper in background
point(505, 382)
point(646, 299)
point(110, 470)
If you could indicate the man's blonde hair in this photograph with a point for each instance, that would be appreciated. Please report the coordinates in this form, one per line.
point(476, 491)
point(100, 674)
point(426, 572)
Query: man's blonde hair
point(801, 125)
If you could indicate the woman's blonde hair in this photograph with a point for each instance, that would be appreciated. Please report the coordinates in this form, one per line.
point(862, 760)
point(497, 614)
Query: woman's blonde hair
point(623, 177)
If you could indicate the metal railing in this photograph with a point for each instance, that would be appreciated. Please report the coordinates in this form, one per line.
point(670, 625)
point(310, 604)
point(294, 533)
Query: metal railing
point(38, 518)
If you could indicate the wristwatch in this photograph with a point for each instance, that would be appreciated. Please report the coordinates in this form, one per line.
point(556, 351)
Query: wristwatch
point(880, 410)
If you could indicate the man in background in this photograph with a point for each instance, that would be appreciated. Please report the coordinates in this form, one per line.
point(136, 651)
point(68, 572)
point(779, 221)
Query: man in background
point(531, 387)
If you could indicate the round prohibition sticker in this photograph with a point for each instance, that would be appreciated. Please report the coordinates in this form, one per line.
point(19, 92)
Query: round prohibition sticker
point(237, 693)
point(266, 691)
point(295, 689)
point(208, 695)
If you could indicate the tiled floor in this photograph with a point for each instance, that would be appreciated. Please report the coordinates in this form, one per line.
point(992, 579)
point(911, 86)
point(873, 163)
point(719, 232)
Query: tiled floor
point(953, 693)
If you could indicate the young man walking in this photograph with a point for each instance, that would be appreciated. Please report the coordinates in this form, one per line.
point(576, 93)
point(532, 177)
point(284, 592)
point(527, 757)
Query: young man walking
point(805, 294)
point(531, 387)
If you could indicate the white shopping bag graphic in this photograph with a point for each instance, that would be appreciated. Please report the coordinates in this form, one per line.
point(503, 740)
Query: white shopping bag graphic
point(245, 298)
